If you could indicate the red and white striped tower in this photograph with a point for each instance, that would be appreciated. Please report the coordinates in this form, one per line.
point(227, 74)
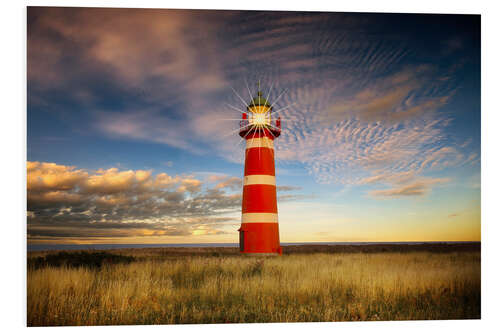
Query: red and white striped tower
point(259, 232)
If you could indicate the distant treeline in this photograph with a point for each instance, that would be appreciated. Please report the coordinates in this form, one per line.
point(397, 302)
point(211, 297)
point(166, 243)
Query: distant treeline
point(88, 259)
point(94, 259)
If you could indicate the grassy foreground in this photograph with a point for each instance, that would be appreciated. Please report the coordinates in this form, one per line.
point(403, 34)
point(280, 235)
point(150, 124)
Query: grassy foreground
point(159, 289)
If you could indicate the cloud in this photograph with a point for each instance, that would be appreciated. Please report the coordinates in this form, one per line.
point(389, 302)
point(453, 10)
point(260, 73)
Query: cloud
point(190, 185)
point(137, 45)
point(373, 130)
point(66, 202)
point(360, 110)
point(233, 183)
point(148, 62)
point(287, 188)
point(50, 176)
point(150, 126)
point(420, 187)
point(112, 181)
point(396, 97)
point(394, 178)
point(294, 197)
point(350, 151)
point(402, 184)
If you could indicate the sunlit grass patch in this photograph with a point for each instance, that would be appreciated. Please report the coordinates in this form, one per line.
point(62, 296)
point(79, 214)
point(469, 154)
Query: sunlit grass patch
point(291, 288)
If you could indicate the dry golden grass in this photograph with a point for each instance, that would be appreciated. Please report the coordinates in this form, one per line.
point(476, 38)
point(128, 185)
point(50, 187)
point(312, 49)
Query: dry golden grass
point(233, 289)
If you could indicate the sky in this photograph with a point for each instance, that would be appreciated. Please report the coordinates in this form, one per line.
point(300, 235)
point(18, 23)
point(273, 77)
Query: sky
point(132, 124)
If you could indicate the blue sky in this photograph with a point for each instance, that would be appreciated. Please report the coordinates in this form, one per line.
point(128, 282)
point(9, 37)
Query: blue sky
point(131, 124)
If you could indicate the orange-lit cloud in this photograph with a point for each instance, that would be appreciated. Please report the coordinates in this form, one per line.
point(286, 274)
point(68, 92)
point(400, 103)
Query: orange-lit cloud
point(53, 177)
point(69, 203)
point(234, 183)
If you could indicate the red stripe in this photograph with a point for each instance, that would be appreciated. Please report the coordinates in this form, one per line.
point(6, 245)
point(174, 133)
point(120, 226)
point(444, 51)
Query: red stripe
point(259, 198)
point(259, 161)
point(260, 237)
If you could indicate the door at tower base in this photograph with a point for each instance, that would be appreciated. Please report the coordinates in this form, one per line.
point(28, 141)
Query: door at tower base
point(260, 238)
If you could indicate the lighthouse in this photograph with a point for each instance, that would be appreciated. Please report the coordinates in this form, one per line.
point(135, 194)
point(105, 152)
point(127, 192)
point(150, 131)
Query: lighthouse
point(259, 232)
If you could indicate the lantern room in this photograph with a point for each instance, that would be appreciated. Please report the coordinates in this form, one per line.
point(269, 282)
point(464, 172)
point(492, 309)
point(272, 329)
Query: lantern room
point(259, 115)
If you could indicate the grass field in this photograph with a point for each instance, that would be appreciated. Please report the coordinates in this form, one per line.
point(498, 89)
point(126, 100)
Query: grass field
point(158, 287)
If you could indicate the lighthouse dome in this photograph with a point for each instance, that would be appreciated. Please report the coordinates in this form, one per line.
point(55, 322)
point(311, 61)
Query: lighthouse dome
point(259, 101)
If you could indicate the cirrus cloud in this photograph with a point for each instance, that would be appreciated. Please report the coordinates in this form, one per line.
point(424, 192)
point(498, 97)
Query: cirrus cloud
point(356, 104)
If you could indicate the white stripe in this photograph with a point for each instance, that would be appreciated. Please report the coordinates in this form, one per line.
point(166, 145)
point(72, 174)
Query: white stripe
point(259, 179)
point(259, 218)
point(260, 142)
